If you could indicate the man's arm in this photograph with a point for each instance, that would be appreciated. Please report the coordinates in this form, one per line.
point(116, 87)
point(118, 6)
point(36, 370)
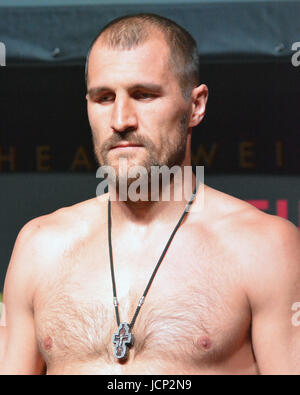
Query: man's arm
point(274, 289)
point(2, 329)
point(21, 354)
point(2, 341)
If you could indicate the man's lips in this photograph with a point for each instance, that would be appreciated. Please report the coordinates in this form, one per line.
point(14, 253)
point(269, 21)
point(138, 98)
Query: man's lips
point(126, 145)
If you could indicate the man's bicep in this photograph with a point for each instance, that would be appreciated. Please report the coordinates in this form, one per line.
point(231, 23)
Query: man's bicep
point(275, 337)
point(21, 355)
point(276, 341)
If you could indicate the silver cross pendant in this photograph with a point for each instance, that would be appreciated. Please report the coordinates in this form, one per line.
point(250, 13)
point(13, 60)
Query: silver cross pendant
point(122, 340)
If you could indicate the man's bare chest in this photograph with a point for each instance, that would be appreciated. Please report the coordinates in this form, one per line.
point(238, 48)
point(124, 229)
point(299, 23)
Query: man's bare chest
point(191, 311)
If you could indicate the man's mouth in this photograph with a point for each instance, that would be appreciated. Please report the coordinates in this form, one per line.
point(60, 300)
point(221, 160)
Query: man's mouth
point(125, 145)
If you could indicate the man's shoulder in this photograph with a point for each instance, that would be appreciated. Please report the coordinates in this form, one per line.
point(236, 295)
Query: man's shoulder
point(235, 214)
point(251, 231)
point(262, 229)
point(44, 242)
point(264, 248)
point(51, 233)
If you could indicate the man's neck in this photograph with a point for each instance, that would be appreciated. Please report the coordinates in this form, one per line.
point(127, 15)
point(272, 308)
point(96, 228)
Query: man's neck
point(146, 212)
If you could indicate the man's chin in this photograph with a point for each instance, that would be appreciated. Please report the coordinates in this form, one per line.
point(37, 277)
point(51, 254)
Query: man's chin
point(130, 164)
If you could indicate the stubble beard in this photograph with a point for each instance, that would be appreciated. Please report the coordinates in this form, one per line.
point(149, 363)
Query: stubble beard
point(172, 155)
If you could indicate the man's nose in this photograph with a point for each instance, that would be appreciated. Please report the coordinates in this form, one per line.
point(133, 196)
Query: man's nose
point(123, 116)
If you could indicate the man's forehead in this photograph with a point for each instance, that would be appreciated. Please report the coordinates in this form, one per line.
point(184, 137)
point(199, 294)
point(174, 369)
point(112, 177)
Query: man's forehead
point(147, 61)
point(154, 43)
point(150, 34)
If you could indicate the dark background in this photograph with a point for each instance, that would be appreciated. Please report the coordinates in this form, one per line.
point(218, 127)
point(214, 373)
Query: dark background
point(248, 141)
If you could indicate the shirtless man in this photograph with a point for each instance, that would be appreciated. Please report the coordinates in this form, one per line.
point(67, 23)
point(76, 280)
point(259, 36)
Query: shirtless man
point(221, 300)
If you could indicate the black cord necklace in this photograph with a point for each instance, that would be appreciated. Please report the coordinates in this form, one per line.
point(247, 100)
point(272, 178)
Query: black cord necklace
point(124, 339)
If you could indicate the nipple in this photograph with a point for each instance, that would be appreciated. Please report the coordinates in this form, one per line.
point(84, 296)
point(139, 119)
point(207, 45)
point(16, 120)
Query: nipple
point(204, 342)
point(47, 343)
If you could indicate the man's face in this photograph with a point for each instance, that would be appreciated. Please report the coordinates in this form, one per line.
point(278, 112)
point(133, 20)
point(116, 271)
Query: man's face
point(134, 100)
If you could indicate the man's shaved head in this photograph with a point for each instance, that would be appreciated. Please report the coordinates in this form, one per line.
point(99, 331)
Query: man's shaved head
point(132, 31)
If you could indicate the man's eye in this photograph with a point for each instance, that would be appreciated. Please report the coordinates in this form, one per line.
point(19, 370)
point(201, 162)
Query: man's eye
point(103, 99)
point(143, 95)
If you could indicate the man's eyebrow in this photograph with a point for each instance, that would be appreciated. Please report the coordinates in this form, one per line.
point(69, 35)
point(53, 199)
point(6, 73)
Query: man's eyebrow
point(97, 90)
point(143, 86)
point(147, 86)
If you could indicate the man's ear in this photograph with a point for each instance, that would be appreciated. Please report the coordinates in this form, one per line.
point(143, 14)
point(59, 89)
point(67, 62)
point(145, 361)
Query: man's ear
point(199, 99)
point(87, 96)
